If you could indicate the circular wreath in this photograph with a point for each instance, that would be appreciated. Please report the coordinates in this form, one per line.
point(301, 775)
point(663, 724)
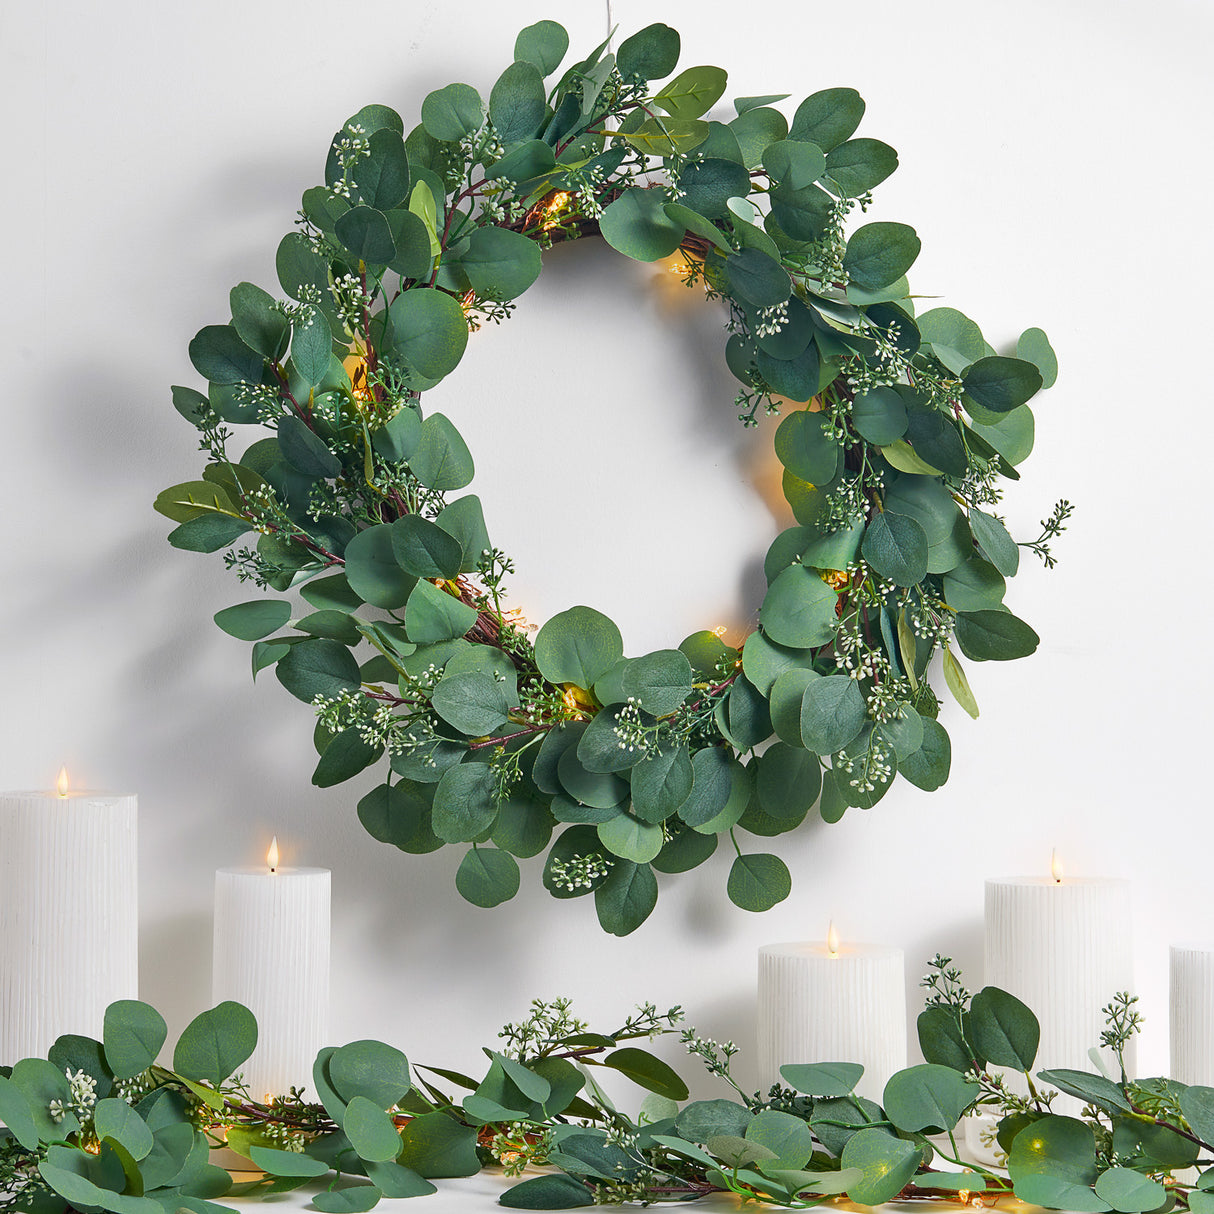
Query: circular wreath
point(899, 431)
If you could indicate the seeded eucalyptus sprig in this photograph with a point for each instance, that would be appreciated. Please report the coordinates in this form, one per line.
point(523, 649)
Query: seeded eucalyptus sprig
point(901, 429)
point(105, 1125)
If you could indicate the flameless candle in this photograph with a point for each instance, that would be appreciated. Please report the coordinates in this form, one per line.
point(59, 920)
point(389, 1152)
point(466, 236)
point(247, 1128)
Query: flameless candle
point(272, 955)
point(832, 1002)
point(1063, 946)
point(69, 918)
point(1192, 967)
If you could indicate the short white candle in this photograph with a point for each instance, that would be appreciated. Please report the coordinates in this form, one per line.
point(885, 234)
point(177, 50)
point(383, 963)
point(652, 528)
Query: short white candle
point(272, 955)
point(1062, 945)
point(1192, 967)
point(832, 1002)
point(69, 914)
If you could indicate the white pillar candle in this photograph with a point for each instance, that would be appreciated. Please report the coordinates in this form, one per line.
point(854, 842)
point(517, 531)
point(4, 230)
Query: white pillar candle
point(1062, 945)
point(272, 955)
point(69, 914)
point(832, 1002)
point(1192, 972)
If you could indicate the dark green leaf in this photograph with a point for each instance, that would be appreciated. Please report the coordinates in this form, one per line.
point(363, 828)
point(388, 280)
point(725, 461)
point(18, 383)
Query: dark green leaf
point(487, 877)
point(429, 328)
point(254, 620)
point(637, 225)
point(381, 177)
point(886, 1165)
point(648, 1071)
point(860, 165)
point(997, 546)
point(442, 459)
point(424, 549)
point(304, 450)
point(516, 103)
point(1001, 384)
point(500, 264)
point(833, 713)
point(828, 117)
point(558, 1192)
point(318, 667)
point(578, 646)
point(218, 354)
point(994, 636)
point(1003, 1029)
point(799, 609)
point(365, 232)
point(651, 53)
point(929, 1098)
point(377, 1072)
point(543, 44)
point(758, 882)
point(896, 547)
point(464, 803)
point(880, 253)
point(823, 1078)
point(1097, 1090)
point(133, 1034)
point(627, 897)
point(450, 113)
point(216, 1043)
point(259, 324)
point(437, 1146)
point(706, 186)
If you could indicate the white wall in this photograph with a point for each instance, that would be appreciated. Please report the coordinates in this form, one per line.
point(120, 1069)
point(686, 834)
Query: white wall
point(1054, 161)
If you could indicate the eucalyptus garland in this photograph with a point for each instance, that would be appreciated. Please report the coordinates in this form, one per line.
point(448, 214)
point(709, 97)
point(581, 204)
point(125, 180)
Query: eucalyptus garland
point(104, 1125)
point(900, 429)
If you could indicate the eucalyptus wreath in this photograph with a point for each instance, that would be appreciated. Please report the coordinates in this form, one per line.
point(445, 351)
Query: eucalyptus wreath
point(900, 429)
point(106, 1125)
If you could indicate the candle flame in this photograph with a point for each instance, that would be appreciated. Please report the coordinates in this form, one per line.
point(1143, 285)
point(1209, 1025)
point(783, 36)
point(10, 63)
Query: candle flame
point(61, 784)
point(272, 855)
point(1055, 867)
point(832, 940)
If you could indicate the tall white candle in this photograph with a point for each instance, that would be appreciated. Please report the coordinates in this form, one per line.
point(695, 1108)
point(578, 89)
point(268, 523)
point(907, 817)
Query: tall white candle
point(1062, 945)
point(69, 914)
point(832, 1002)
point(272, 955)
point(1192, 967)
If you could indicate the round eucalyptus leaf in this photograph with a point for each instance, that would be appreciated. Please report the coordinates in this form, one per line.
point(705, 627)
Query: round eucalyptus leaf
point(799, 609)
point(215, 1044)
point(833, 713)
point(487, 876)
point(758, 882)
point(464, 803)
point(450, 113)
point(789, 781)
point(375, 1072)
point(896, 547)
point(578, 646)
point(636, 225)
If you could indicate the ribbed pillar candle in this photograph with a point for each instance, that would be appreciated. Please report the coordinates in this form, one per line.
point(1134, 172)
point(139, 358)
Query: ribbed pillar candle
point(1192, 967)
point(816, 1005)
point(272, 955)
point(69, 915)
point(1063, 946)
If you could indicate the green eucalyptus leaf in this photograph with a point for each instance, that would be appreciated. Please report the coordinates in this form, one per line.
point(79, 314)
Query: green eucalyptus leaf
point(828, 117)
point(215, 1044)
point(636, 224)
point(450, 113)
point(554, 1192)
point(578, 646)
point(133, 1035)
point(465, 803)
point(758, 882)
point(1004, 1029)
point(886, 1165)
point(895, 545)
point(376, 1072)
point(928, 1098)
point(500, 264)
point(651, 53)
point(429, 328)
point(487, 877)
point(880, 253)
point(627, 897)
point(1001, 384)
point(824, 1079)
point(442, 459)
